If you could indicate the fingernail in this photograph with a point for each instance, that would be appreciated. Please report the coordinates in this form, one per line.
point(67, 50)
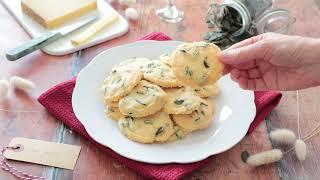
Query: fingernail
point(223, 55)
point(229, 53)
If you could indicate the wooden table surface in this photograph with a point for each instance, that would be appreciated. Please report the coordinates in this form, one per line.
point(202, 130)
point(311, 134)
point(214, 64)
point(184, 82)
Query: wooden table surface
point(47, 71)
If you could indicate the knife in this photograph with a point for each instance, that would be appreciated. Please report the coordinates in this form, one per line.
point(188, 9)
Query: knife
point(44, 40)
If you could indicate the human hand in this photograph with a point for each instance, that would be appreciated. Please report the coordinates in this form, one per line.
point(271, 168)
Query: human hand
point(274, 62)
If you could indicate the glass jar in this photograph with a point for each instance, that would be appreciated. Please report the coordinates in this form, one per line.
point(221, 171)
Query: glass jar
point(258, 17)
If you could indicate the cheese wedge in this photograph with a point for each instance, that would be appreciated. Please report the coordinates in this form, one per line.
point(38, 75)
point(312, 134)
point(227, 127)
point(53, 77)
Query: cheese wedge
point(53, 13)
point(93, 29)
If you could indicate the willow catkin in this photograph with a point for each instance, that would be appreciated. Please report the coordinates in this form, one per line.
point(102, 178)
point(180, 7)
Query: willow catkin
point(282, 136)
point(126, 2)
point(4, 88)
point(21, 83)
point(132, 14)
point(265, 157)
point(300, 148)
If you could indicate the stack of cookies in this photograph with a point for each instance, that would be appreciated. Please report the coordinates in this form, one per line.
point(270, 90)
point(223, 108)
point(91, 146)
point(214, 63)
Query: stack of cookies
point(156, 101)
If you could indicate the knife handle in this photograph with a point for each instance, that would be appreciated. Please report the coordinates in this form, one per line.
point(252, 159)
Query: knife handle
point(32, 45)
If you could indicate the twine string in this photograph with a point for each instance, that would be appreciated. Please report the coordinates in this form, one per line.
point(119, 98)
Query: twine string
point(298, 113)
point(21, 111)
point(12, 170)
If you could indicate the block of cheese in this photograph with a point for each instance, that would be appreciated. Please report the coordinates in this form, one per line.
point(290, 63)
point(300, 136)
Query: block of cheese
point(94, 29)
point(53, 13)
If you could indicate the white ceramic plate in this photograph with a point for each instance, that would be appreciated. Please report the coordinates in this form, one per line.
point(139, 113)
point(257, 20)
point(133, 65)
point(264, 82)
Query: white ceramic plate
point(235, 111)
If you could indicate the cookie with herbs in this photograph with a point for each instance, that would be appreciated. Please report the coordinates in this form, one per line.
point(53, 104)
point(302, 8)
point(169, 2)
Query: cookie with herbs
point(181, 101)
point(211, 90)
point(145, 99)
point(178, 134)
point(200, 118)
point(150, 129)
point(166, 58)
point(211, 101)
point(160, 73)
point(119, 83)
point(196, 64)
point(114, 113)
point(111, 103)
point(133, 63)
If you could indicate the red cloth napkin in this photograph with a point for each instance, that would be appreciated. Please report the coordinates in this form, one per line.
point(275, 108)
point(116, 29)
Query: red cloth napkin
point(57, 101)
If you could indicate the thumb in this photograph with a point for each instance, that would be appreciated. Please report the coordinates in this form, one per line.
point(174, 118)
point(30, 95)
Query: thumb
point(242, 54)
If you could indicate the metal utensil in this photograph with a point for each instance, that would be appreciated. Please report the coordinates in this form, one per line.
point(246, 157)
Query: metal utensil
point(42, 41)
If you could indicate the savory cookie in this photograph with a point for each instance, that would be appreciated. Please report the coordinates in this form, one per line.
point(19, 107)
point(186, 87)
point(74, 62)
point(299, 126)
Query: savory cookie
point(133, 63)
point(112, 103)
point(114, 113)
point(211, 101)
point(196, 64)
point(178, 134)
point(154, 128)
point(198, 119)
point(181, 101)
point(145, 99)
point(119, 83)
point(165, 58)
point(160, 73)
point(211, 90)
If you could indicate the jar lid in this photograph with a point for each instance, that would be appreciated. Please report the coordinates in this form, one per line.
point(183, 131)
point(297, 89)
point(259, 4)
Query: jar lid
point(274, 20)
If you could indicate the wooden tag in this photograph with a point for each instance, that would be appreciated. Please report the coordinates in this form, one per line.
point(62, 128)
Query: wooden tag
point(43, 152)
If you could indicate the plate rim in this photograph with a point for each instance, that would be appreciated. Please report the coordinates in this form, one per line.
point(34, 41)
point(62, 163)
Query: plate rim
point(178, 160)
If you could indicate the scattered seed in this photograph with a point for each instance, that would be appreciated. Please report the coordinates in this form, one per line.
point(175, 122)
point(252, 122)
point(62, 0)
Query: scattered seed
point(244, 156)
